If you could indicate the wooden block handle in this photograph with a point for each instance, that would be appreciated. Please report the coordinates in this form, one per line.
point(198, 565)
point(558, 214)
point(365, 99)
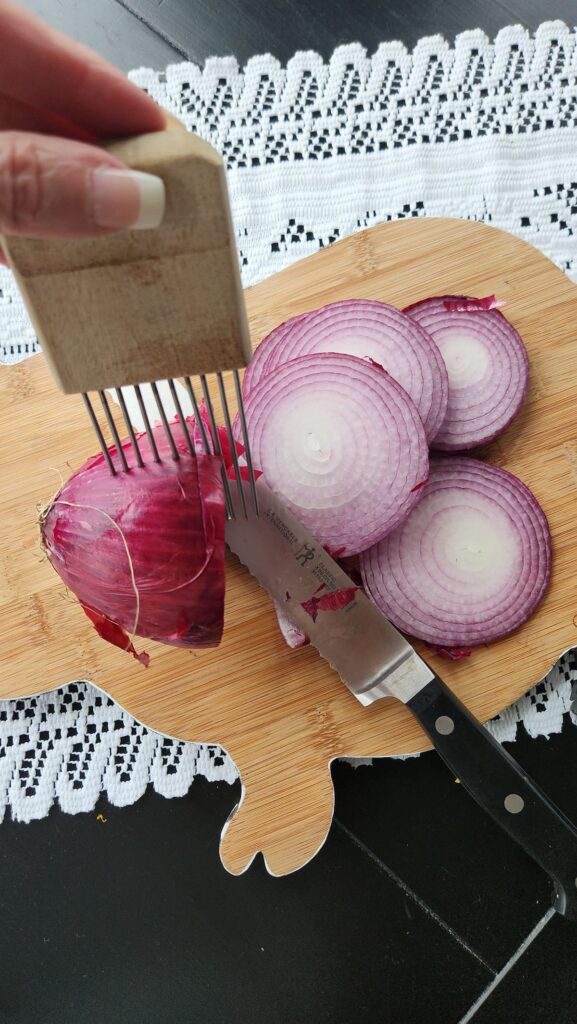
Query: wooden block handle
point(136, 306)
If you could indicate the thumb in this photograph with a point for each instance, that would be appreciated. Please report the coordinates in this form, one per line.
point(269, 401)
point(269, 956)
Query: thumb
point(53, 187)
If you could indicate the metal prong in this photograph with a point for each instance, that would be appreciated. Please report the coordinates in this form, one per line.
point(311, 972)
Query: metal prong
point(197, 415)
point(181, 417)
point(129, 427)
point(165, 424)
point(98, 431)
point(232, 443)
point(217, 447)
point(144, 414)
point(247, 454)
point(113, 430)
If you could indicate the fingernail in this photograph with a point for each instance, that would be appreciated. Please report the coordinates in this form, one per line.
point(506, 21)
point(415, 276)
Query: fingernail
point(126, 199)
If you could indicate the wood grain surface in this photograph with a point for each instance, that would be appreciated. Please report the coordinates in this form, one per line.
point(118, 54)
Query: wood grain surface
point(110, 310)
point(281, 714)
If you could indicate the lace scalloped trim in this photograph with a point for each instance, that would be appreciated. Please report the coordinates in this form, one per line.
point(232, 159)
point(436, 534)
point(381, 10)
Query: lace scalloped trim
point(355, 104)
point(73, 743)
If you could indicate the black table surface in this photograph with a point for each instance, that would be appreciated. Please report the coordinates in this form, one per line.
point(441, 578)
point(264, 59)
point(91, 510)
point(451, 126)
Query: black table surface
point(417, 908)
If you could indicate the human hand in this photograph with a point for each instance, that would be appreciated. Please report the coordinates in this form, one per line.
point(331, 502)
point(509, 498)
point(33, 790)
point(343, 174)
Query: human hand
point(57, 99)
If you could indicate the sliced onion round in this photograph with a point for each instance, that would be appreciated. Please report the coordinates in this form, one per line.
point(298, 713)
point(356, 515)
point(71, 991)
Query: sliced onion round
point(470, 564)
point(370, 330)
point(256, 369)
point(342, 443)
point(487, 365)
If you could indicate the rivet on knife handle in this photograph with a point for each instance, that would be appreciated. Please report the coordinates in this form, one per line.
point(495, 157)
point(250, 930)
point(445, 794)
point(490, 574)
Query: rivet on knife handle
point(501, 787)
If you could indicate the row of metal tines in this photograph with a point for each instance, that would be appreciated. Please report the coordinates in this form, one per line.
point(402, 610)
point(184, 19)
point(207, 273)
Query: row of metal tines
point(212, 444)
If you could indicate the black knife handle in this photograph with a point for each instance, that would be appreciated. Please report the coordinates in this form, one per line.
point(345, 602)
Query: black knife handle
point(495, 780)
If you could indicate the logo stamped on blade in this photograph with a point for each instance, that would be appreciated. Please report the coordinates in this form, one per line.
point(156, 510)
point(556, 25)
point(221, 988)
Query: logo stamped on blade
point(306, 553)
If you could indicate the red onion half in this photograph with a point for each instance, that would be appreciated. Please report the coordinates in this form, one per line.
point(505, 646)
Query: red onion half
point(486, 362)
point(144, 550)
point(370, 330)
point(343, 445)
point(471, 562)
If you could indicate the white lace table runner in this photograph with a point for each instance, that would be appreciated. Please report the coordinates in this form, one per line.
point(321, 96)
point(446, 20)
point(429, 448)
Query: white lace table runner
point(316, 151)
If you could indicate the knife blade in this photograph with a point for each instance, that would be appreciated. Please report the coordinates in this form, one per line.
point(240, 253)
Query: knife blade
point(375, 661)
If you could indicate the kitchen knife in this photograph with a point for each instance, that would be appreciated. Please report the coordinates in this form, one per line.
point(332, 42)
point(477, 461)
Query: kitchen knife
point(375, 661)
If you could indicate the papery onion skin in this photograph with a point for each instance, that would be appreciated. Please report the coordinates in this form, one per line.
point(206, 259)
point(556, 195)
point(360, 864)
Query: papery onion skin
point(452, 653)
point(169, 527)
point(482, 407)
point(331, 602)
point(464, 304)
point(471, 563)
point(368, 329)
point(341, 443)
point(292, 634)
point(114, 634)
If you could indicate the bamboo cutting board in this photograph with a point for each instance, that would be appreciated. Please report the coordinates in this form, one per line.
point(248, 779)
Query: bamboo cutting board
point(281, 714)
